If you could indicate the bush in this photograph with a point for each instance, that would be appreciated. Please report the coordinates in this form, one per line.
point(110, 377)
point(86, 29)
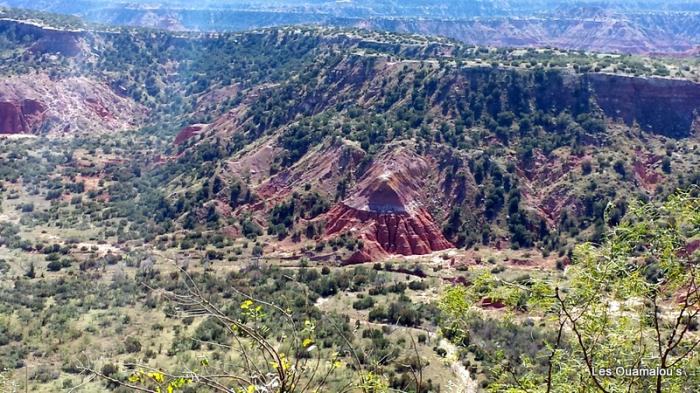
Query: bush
point(54, 266)
point(619, 167)
point(212, 331)
point(404, 314)
point(363, 303)
point(417, 285)
point(327, 286)
point(109, 369)
point(560, 264)
point(45, 374)
point(53, 195)
point(132, 345)
point(377, 314)
point(250, 229)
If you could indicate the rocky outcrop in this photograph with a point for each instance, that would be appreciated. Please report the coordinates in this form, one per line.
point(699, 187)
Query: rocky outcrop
point(188, 132)
point(20, 117)
point(323, 167)
point(645, 171)
point(387, 233)
point(36, 104)
point(668, 107)
point(64, 42)
point(386, 213)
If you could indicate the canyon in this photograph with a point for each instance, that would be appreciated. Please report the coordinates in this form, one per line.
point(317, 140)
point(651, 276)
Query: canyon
point(621, 27)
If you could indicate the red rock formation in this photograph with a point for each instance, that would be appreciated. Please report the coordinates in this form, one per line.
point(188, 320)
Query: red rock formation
point(387, 233)
point(645, 173)
point(20, 116)
point(10, 119)
point(188, 132)
point(385, 212)
point(492, 303)
point(323, 168)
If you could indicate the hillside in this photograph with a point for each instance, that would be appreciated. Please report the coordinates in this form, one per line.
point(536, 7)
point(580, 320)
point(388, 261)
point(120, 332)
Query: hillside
point(341, 181)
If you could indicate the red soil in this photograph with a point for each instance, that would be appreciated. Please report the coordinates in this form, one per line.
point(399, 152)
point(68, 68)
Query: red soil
point(188, 132)
point(645, 173)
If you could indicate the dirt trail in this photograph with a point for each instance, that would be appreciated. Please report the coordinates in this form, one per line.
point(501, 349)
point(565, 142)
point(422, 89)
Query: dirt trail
point(468, 385)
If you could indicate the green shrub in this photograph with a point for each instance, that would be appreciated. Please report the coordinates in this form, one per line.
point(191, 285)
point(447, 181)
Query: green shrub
point(363, 303)
point(54, 266)
point(132, 345)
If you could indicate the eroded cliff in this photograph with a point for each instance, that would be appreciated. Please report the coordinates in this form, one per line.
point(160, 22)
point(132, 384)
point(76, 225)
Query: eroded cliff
point(37, 104)
point(386, 212)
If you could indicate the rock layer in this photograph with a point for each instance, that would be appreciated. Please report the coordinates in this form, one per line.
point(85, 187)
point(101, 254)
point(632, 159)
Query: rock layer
point(48, 40)
point(188, 132)
point(387, 233)
point(385, 211)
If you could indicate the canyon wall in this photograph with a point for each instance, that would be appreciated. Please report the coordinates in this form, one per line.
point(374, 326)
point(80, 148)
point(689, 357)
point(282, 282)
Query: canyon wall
point(664, 106)
point(43, 39)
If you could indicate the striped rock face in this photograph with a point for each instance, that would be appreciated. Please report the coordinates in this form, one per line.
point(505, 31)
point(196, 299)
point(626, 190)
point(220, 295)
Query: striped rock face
point(384, 211)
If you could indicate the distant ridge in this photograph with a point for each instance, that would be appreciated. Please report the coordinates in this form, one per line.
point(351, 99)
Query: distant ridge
point(656, 27)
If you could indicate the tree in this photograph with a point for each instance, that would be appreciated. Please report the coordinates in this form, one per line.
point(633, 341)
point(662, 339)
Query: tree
point(217, 185)
point(212, 215)
point(666, 165)
point(619, 167)
point(628, 304)
point(31, 271)
point(257, 250)
point(586, 167)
